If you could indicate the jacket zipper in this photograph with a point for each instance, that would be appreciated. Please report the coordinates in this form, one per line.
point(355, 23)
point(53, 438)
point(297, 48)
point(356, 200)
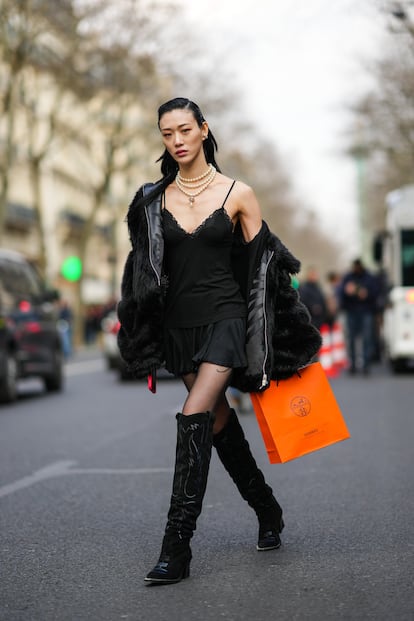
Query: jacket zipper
point(264, 376)
point(150, 249)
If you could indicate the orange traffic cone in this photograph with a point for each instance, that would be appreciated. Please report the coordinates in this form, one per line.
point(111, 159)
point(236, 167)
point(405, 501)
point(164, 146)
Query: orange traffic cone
point(338, 347)
point(326, 353)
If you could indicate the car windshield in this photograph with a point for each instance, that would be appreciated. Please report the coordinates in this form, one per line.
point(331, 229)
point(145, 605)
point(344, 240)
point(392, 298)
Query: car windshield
point(19, 280)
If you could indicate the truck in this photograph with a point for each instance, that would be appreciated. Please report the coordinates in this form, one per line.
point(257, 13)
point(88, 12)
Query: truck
point(394, 250)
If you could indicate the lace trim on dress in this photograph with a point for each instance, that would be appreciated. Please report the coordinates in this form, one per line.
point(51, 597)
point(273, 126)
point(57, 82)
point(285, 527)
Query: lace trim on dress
point(202, 224)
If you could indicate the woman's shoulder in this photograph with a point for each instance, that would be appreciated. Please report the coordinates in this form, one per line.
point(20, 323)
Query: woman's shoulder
point(241, 192)
point(241, 188)
point(238, 186)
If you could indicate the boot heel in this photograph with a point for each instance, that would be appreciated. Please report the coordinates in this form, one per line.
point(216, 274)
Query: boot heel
point(168, 572)
point(281, 525)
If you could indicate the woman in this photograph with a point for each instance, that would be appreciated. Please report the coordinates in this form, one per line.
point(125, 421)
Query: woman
point(206, 289)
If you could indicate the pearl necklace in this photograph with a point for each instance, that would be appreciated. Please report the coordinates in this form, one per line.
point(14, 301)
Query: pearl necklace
point(184, 184)
point(184, 180)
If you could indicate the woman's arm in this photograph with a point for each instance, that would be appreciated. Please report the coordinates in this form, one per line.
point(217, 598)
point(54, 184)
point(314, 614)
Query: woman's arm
point(249, 213)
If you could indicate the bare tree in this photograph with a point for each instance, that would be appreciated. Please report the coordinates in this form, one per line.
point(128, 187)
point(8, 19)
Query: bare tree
point(44, 132)
point(38, 44)
point(19, 41)
point(384, 117)
point(116, 109)
point(286, 213)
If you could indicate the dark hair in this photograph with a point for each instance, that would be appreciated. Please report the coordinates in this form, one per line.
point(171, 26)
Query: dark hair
point(358, 264)
point(169, 166)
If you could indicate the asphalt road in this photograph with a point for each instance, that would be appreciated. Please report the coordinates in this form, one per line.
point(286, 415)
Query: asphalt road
point(85, 480)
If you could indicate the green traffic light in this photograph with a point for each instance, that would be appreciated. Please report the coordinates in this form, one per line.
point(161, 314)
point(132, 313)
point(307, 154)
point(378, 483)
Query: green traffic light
point(72, 268)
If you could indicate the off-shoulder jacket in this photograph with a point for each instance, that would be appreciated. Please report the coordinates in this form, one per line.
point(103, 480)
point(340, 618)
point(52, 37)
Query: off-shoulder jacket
point(280, 338)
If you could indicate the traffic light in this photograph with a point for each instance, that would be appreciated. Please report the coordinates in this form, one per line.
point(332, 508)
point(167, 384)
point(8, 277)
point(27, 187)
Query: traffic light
point(71, 268)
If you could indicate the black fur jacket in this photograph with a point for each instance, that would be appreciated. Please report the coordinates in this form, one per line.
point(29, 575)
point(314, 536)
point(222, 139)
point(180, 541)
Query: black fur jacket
point(280, 338)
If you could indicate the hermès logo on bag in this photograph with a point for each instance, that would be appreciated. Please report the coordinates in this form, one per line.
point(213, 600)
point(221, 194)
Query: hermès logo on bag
point(301, 406)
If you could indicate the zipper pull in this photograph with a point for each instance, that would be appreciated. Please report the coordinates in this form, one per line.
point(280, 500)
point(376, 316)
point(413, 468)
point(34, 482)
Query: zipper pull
point(264, 381)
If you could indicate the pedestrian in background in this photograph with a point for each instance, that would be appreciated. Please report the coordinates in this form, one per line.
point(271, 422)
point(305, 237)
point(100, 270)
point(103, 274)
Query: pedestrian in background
point(313, 297)
point(65, 323)
point(358, 299)
point(333, 281)
point(198, 241)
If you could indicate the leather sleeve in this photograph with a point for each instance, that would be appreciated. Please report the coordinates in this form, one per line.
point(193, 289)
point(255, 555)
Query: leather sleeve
point(141, 303)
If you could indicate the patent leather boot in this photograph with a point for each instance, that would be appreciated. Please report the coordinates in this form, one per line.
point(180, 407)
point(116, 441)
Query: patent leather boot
point(192, 461)
point(235, 455)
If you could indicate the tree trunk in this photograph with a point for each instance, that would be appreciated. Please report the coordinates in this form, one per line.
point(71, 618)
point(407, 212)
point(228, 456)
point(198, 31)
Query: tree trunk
point(79, 317)
point(7, 155)
point(35, 179)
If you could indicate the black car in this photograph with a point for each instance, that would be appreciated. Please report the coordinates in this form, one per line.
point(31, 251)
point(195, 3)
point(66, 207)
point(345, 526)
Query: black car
point(30, 343)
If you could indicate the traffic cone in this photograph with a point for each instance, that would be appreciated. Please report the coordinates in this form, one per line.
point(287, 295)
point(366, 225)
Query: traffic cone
point(326, 353)
point(339, 355)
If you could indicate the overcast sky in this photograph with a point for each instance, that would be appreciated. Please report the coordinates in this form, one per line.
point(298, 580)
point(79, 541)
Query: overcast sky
point(299, 63)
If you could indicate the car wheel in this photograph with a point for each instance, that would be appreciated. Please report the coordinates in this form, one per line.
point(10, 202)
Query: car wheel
point(54, 381)
point(8, 382)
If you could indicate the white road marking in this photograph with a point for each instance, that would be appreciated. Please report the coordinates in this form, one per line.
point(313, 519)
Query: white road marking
point(117, 470)
point(50, 471)
point(63, 468)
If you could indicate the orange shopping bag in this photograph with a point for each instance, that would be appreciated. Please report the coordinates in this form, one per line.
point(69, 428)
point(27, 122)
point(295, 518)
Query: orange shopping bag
point(299, 415)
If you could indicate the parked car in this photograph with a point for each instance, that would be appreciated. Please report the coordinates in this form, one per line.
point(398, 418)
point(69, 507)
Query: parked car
point(110, 326)
point(30, 343)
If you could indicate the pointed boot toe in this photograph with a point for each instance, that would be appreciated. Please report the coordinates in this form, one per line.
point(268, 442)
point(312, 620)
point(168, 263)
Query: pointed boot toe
point(171, 568)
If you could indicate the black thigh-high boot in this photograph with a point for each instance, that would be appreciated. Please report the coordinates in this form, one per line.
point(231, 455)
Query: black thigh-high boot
point(192, 461)
point(234, 452)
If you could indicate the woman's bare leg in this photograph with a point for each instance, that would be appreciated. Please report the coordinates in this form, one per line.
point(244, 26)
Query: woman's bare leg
point(206, 392)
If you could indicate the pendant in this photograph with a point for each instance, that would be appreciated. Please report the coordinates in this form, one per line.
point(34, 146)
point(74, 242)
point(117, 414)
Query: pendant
point(191, 199)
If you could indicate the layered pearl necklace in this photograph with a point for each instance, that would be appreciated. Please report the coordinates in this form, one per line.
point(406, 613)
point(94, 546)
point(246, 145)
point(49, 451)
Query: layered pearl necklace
point(199, 184)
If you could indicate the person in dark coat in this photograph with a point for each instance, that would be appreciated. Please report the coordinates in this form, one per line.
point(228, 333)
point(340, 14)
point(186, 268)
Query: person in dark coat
point(313, 297)
point(358, 294)
point(206, 290)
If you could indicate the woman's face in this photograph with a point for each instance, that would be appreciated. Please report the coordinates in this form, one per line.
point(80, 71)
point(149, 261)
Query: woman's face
point(181, 135)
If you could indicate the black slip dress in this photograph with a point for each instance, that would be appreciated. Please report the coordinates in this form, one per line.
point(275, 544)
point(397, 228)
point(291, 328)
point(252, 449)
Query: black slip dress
point(205, 319)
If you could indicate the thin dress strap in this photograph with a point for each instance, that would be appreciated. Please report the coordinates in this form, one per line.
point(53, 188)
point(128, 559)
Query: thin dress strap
point(228, 194)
